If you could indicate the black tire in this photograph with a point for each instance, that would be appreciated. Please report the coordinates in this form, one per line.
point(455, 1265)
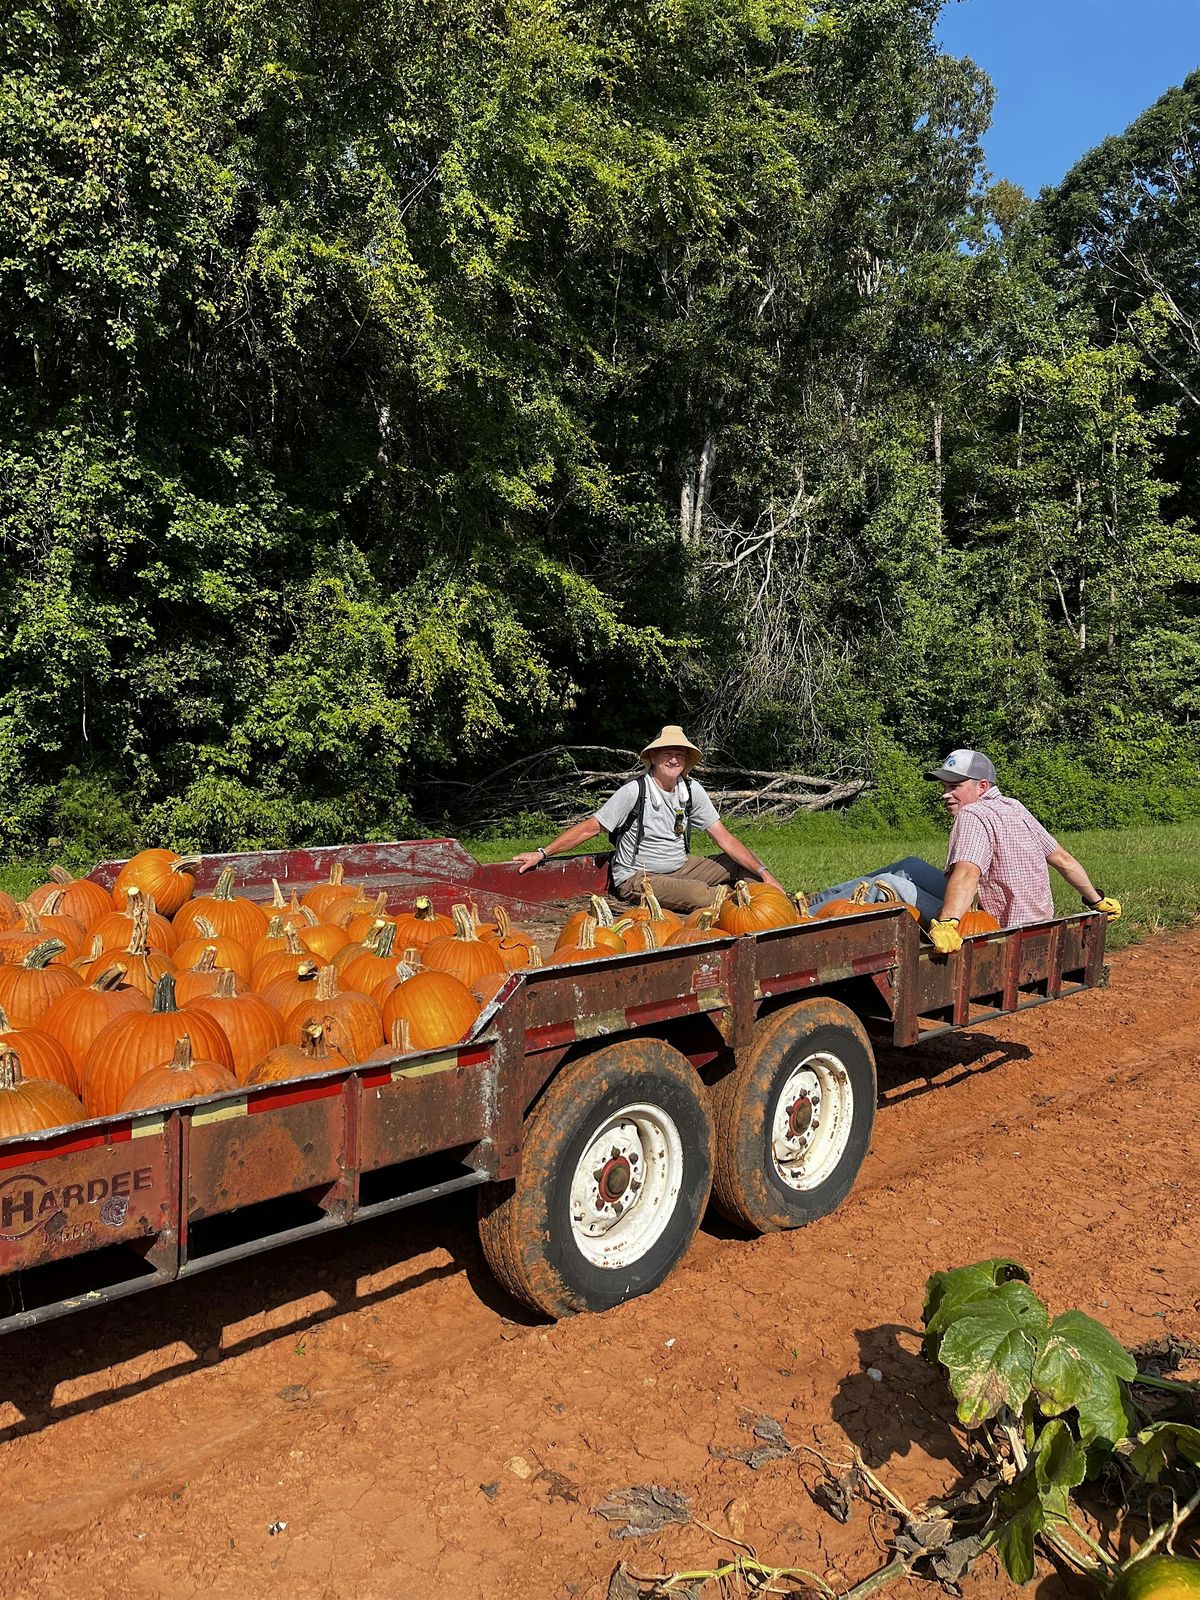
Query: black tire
point(544, 1255)
point(749, 1186)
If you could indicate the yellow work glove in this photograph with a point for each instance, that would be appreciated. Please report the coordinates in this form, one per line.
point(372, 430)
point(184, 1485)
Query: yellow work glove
point(945, 935)
point(1109, 904)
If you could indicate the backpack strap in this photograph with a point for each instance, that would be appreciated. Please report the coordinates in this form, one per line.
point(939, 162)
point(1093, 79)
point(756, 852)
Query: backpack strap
point(687, 819)
point(635, 819)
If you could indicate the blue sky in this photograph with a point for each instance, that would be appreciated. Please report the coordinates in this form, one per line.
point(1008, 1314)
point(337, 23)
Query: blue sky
point(1067, 73)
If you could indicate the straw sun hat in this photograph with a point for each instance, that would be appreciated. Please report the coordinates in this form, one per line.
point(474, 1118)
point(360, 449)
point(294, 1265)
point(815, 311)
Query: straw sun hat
point(672, 737)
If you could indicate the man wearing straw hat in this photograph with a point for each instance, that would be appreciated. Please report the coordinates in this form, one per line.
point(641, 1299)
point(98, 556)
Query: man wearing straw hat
point(651, 840)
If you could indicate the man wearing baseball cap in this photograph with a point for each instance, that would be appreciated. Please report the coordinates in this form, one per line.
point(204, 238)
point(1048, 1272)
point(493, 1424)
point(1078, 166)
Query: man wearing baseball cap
point(1001, 852)
point(649, 821)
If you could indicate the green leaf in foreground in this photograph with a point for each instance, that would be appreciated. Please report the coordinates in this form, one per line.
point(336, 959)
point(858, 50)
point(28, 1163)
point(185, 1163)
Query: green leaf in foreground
point(1159, 1446)
point(1059, 1465)
point(1081, 1365)
point(989, 1351)
point(1022, 1518)
point(947, 1293)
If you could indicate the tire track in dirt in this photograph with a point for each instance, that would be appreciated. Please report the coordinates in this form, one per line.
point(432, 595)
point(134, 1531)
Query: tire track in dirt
point(408, 1405)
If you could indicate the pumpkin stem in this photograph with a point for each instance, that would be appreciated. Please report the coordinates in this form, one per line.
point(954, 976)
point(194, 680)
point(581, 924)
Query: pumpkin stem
point(327, 983)
point(464, 924)
point(535, 957)
point(30, 922)
point(587, 934)
point(185, 864)
point(52, 902)
point(411, 956)
point(337, 874)
point(294, 947)
point(224, 886)
point(385, 939)
point(42, 954)
point(859, 897)
point(205, 928)
point(720, 895)
point(602, 911)
point(61, 875)
point(313, 1042)
point(208, 959)
point(503, 924)
point(277, 902)
point(97, 948)
point(226, 985)
point(4, 1022)
point(423, 909)
point(10, 1068)
point(401, 1039)
point(741, 893)
point(111, 978)
point(650, 902)
point(706, 919)
point(800, 901)
point(164, 994)
point(139, 934)
point(181, 1056)
point(274, 927)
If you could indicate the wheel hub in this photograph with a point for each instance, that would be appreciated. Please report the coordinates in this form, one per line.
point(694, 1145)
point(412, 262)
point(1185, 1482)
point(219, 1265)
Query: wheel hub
point(616, 1175)
point(800, 1117)
point(811, 1122)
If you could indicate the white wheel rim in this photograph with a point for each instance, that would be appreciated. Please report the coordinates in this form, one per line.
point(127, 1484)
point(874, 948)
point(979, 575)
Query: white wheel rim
point(810, 1125)
point(626, 1186)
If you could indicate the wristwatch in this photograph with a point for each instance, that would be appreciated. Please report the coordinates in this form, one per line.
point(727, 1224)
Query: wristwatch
point(543, 852)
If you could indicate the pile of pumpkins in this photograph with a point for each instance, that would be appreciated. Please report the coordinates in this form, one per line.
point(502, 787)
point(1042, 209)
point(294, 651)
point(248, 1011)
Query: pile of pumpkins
point(152, 995)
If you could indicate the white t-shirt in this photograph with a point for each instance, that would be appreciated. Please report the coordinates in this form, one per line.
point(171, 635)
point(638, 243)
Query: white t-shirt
point(662, 848)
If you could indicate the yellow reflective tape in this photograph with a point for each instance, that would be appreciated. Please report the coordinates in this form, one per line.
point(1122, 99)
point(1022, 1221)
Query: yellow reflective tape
point(219, 1113)
point(425, 1069)
point(147, 1129)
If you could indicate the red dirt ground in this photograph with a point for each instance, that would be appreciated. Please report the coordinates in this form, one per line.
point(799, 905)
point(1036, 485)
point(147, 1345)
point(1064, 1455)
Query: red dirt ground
point(420, 1437)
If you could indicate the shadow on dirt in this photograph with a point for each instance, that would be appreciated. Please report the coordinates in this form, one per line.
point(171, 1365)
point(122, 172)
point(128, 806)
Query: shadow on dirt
point(325, 1277)
point(941, 1063)
point(907, 1406)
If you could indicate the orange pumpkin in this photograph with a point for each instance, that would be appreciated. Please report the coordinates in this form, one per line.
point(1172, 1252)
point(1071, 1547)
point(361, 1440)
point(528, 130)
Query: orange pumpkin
point(120, 1053)
point(585, 948)
point(745, 913)
point(370, 964)
point(421, 925)
point(29, 987)
point(703, 928)
point(282, 962)
point(160, 875)
point(182, 1078)
point(252, 1027)
point(439, 1009)
point(843, 907)
point(41, 1054)
point(31, 1105)
point(290, 988)
point(648, 909)
point(974, 922)
point(193, 983)
point(465, 956)
point(82, 899)
point(515, 946)
point(35, 927)
point(296, 1060)
point(144, 965)
point(324, 939)
point(77, 1016)
point(230, 953)
point(349, 1019)
point(720, 895)
point(600, 914)
point(400, 972)
point(887, 896)
point(325, 896)
point(360, 917)
point(640, 936)
point(230, 914)
point(399, 1043)
point(114, 929)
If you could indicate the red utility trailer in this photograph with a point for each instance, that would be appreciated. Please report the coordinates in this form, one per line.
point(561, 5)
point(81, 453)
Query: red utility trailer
point(596, 1107)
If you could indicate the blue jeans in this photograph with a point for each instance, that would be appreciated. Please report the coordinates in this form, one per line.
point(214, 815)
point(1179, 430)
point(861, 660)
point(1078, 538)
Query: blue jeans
point(917, 882)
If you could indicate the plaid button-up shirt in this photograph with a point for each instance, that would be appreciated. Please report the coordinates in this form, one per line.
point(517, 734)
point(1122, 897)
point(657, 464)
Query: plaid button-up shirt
point(1009, 846)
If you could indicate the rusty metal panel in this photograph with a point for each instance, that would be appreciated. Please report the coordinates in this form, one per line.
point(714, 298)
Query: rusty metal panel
point(1035, 955)
point(823, 952)
point(425, 1103)
point(263, 1143)
point(616, 994)
point(75, 1190)
point(440, 867)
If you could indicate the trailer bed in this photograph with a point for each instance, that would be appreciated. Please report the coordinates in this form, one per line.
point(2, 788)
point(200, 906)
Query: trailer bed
point(119, 1204)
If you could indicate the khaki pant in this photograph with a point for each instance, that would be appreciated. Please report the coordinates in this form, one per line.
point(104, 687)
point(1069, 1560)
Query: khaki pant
point(689, 889)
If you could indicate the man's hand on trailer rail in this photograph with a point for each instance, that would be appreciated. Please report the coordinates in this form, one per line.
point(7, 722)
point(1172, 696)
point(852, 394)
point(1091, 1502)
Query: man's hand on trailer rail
point(578, 833)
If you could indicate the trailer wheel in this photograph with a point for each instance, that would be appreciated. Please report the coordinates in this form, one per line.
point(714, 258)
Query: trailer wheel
point(794, 1118)
point(617, 1165)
